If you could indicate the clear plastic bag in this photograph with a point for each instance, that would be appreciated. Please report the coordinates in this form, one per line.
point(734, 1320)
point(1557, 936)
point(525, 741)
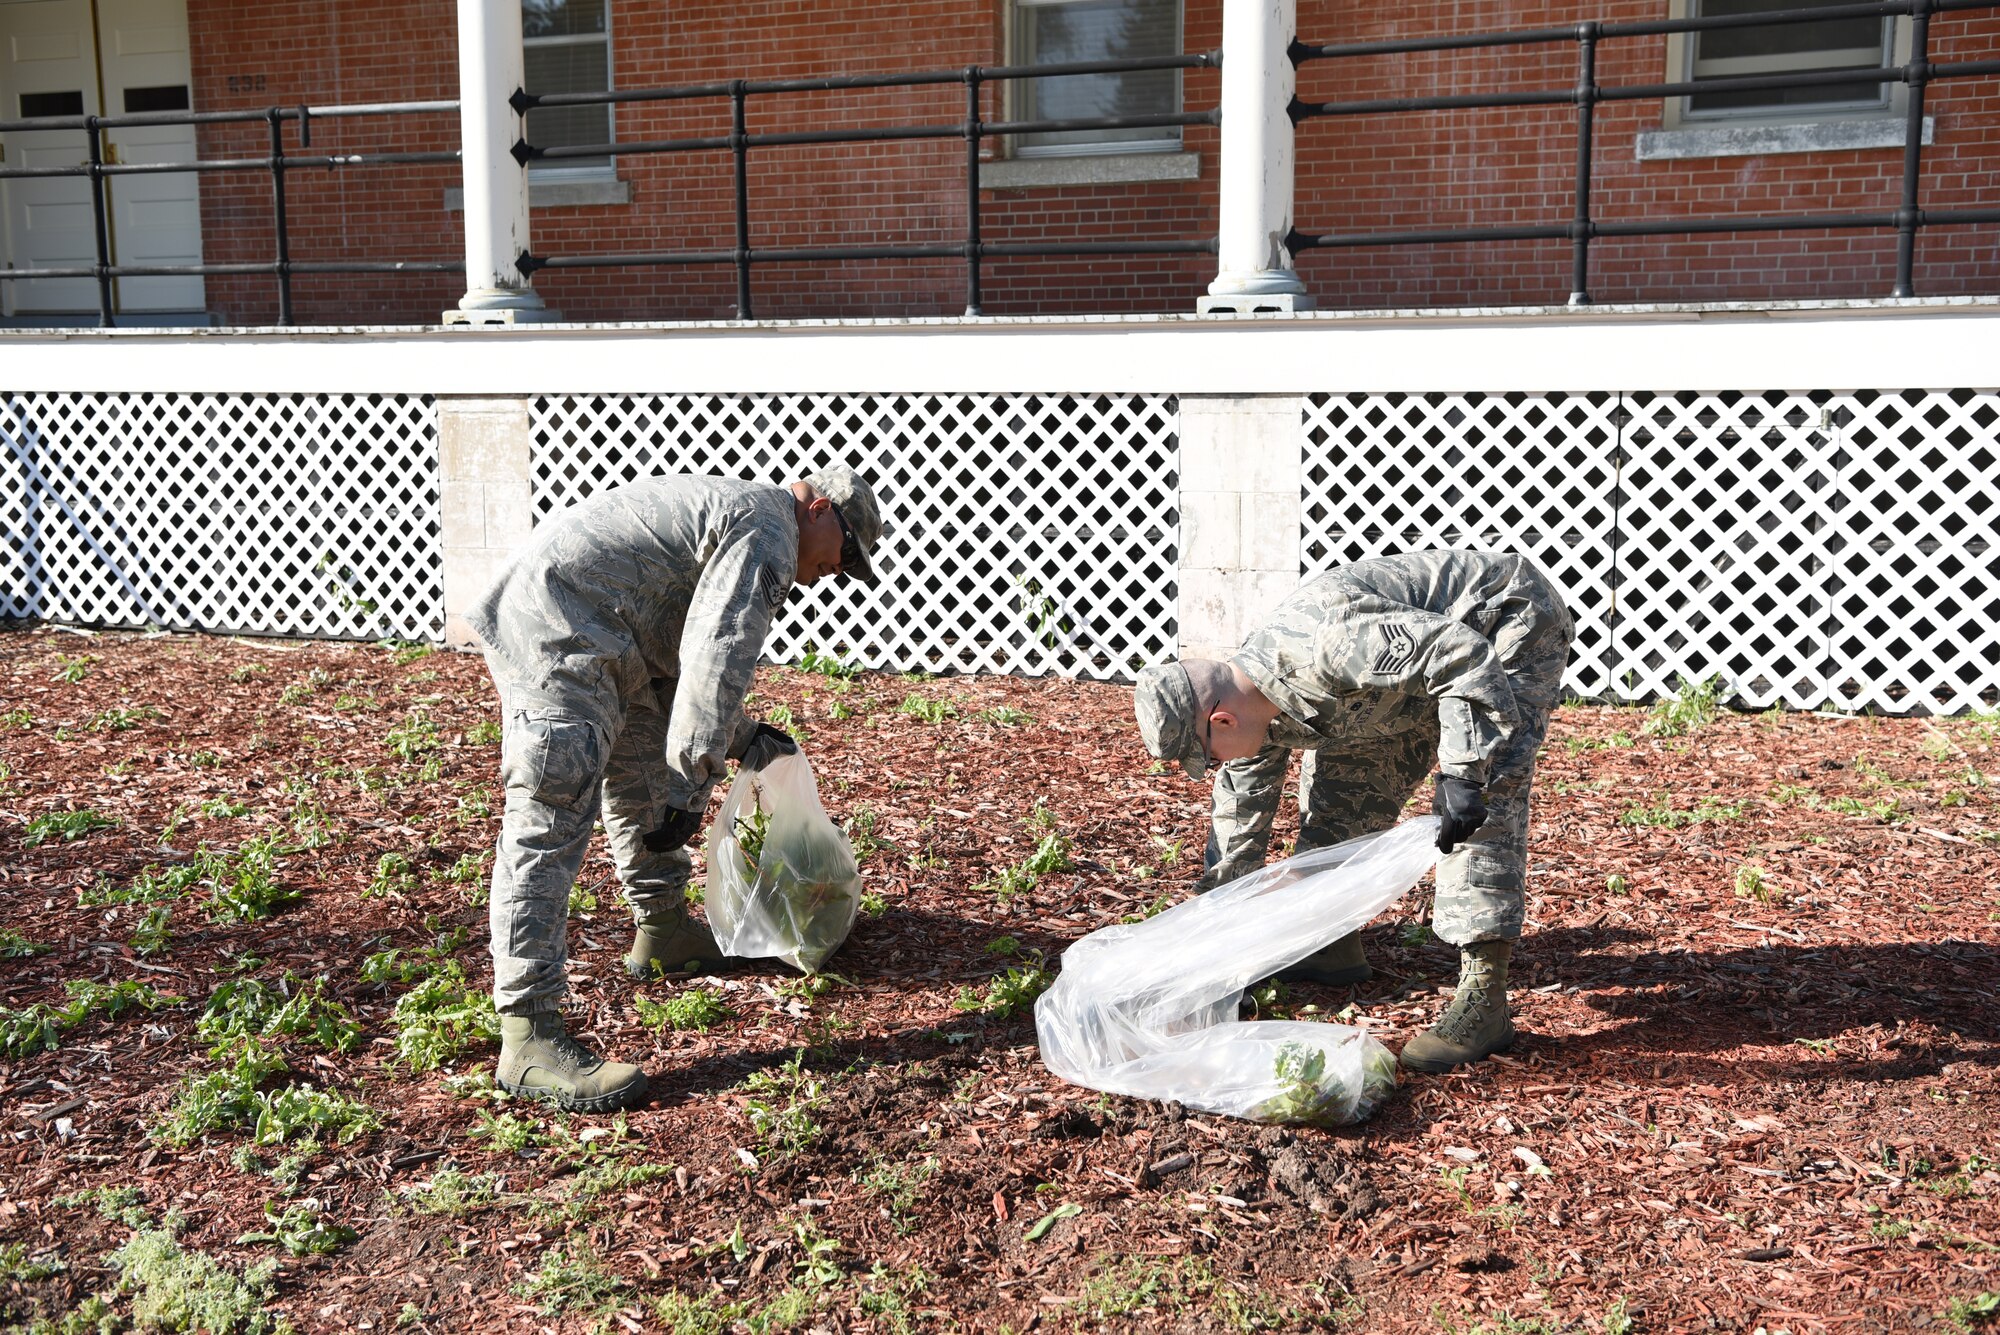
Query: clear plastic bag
point(781, 876)
point(1150, 1009)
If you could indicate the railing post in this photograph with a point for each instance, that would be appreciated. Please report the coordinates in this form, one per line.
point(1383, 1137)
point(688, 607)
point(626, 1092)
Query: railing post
point(1586, 107)
point(972, 136)
point(279, 223)
point(95, 134)
point(490, 69)
point(739, 153)
point(1254, 266)
point(1908, 217)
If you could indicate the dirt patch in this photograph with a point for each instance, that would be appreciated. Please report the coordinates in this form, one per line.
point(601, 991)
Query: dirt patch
point(1755, 1085)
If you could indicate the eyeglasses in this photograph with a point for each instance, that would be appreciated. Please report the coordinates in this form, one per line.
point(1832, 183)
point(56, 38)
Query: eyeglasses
point(850, 546)
point(1208, 761)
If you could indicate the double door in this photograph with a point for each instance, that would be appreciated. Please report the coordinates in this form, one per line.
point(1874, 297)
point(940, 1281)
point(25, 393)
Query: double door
point(107, 58)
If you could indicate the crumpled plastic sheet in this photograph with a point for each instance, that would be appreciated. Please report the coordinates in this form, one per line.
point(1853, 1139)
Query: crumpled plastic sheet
point(1150, 1009)
point(801, 903)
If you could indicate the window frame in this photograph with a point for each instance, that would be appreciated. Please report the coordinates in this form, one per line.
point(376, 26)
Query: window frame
point(1020, 93)
point(1680, 69)
point(563, 172)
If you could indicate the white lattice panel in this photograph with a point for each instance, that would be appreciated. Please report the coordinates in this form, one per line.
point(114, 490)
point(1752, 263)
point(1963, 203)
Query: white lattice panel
point(1810, 549)
point(1533, 474)
point(1023, 533)
point(288, 514)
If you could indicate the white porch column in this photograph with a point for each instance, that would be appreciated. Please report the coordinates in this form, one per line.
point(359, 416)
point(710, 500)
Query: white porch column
point(1254, 270)
point(496, 186)
point(1242, 466)
point(485, 453)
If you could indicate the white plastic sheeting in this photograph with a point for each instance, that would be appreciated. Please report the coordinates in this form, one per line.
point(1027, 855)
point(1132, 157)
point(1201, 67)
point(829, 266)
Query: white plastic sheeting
point(1150, 1009)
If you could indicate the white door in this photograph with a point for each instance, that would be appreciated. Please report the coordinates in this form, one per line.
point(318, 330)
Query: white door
point(154, 219)
point(50, 55)
point(48, 67)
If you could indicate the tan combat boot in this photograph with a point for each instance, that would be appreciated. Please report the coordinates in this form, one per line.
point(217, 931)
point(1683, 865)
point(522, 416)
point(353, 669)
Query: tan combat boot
point(1477, 1024)
point(539, 1060)
point(1338, 965)
point(671, 942)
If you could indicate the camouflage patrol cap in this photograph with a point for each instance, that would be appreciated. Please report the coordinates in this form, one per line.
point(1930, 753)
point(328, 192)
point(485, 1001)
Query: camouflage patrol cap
point(1169, 717)
point(855, 499)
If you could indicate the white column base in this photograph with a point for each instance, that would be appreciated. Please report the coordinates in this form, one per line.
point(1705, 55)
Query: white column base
point(1254, 303)
point(498, 315)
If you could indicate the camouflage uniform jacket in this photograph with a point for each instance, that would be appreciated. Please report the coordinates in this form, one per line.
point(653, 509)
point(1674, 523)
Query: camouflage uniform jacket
point(1376, 648)
point(669, 579)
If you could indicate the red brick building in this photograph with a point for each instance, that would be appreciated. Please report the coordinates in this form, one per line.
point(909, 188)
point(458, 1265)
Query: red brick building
point(1836, 150)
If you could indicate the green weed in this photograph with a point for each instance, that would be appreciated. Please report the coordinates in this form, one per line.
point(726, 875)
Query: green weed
point(1885, 809)
point(121, 719)
point(415, 737)
point(683, 1314)
point(1794, 794)
point(1051, 855)
point(696, 1008)
point(39, 1027)
point(826, 665)
point(1005, 716)
point(506, 1132)
point(926, 710)
point(1661, 815)
point(70, 825)
point(243, 886)
point(14, 946)
point(405, 652)
point(1687, 710)
point(1576, 745)
point(72, 670)
point(1007, 993)
point(302, 1229)
point(246, 671)
point(395, 878)
point(1750, 884)
point(228, 1099)
point(439, 1018)
point(245, 1010)
point(899, 1187)
point(572, 1280)
point(19, 1266)
point(782, 1105)
point(1973, 1314)
point(452, 1193)
point(174, 1289)
point(486, 732)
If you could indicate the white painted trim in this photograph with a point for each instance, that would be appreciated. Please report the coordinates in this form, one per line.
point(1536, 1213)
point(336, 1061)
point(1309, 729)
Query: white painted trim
point(1742, 141)
point(1808, 345)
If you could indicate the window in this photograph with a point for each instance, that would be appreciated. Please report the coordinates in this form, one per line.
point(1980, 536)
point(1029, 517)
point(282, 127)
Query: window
point(567, 46)
point(1789, 48)
point(1059, 32)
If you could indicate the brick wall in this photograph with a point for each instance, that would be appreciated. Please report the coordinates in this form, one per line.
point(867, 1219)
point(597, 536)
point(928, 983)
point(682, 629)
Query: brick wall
point(1468, 168)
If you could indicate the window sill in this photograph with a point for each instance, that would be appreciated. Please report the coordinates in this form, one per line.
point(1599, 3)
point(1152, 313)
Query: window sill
point(1088, 169)
point(1741, 141)
point(557, 195)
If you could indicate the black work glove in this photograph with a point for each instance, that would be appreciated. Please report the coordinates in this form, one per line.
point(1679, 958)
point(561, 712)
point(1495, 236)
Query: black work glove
point(1460, 807)
point(676, 831)
point(766, 745)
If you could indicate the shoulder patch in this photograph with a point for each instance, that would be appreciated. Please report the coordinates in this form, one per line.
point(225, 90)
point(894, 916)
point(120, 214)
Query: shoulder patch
point(1398, 651)
point(771, 587)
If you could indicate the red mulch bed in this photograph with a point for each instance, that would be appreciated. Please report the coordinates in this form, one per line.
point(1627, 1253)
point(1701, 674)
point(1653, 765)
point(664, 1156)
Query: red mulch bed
point(1758, 1099)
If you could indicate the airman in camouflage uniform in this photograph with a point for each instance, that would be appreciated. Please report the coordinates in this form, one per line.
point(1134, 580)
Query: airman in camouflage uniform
point(622, 640)
point(1376, 671)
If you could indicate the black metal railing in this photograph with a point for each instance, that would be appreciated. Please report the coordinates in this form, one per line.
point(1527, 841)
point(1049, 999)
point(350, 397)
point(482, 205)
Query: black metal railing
point(973, 129)
point(278, 162)
point(1906, 220)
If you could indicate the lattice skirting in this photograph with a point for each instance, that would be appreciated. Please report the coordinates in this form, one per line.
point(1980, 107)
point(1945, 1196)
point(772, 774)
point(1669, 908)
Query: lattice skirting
point(1812, 549)
point(1024, 533)
point(279, 514)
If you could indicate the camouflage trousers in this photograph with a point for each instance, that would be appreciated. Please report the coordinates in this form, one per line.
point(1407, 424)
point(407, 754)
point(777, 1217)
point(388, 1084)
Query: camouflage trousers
point(1350, 789)
point(564, 760)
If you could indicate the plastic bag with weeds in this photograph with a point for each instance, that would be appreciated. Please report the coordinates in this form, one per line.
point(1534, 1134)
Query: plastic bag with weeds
point(1149, 1009)
point(781, 876)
